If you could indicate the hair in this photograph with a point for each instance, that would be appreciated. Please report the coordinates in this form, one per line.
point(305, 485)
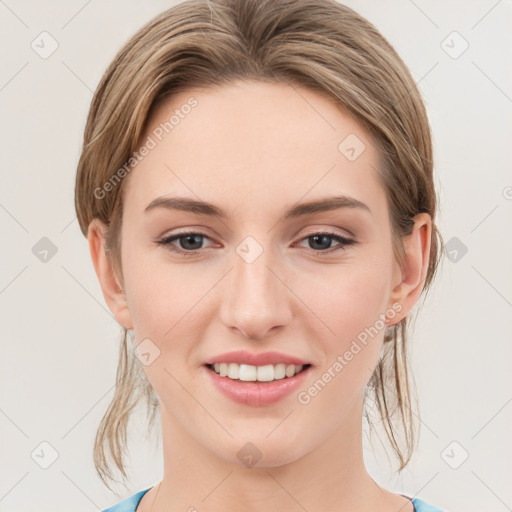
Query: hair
point(318, 44)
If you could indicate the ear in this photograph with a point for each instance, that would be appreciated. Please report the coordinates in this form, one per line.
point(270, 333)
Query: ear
point(409, 277)
point(112, 291)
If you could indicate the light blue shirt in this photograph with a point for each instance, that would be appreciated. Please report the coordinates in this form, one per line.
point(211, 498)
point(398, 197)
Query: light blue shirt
point(130, 504)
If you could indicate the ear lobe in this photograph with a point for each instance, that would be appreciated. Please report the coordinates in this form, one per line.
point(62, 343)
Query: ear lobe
point(113, 292)
point(414, 267)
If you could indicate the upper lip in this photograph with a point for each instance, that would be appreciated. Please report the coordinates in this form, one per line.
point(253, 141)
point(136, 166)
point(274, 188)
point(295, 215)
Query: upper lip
point(261, 359)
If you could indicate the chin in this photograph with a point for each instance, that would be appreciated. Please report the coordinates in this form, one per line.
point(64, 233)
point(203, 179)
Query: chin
point(258, 450)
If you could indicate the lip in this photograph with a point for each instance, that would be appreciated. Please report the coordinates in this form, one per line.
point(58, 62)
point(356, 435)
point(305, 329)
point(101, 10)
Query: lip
point(257, 394)
point(261, 359)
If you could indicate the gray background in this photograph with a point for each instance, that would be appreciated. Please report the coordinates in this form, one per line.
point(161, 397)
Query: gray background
point(59, 342)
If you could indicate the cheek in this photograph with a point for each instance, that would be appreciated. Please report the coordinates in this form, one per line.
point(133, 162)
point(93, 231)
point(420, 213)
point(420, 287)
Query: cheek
point(154, 292)
point(166, 308)
point(167, 301)
point(353, 296)
point(350, 347)
point(351, 302)
point(164, 300)
point(360, 299)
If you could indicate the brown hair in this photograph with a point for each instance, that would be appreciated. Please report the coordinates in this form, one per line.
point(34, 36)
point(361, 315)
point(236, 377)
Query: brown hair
point(318, 44)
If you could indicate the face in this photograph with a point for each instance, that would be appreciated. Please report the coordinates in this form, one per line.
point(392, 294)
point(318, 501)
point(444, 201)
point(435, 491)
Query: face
point(266, 274)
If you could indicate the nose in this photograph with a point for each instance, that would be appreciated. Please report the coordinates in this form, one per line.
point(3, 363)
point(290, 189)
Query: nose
point(255, 299)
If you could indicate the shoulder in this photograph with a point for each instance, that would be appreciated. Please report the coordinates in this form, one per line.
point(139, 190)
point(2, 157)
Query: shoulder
point(423, 506)
point(129, 504)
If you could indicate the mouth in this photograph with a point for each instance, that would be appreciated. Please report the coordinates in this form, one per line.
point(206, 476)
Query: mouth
point(256, 386)
point(260, 374)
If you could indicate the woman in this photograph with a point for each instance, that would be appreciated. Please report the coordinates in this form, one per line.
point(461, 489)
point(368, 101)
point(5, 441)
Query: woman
point(256, 188)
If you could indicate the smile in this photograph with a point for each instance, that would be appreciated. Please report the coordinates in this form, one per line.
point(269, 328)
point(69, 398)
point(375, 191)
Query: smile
point(250, 373)
point(252, 391)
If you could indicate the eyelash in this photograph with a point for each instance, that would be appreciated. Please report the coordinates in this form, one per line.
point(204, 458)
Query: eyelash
point(166, 241)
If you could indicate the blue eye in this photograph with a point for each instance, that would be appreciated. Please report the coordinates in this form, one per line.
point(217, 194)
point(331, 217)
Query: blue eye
point(189, 242)
point(186, 241)
point(317, 239)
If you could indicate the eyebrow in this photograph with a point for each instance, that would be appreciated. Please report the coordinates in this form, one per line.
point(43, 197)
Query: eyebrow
point(299, 210)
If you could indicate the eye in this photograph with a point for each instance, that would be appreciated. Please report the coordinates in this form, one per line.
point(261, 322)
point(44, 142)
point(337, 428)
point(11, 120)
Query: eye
point(189, 243)
point(322, 241)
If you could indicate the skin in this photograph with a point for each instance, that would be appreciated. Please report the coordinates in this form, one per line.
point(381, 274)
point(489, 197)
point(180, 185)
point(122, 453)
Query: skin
point(255, 150)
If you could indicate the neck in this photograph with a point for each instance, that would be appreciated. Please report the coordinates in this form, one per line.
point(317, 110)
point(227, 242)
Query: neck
point(332, 476)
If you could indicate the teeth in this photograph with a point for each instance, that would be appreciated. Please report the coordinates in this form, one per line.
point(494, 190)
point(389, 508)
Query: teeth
point(233, 371)
point(279, 371)
point(247, 372)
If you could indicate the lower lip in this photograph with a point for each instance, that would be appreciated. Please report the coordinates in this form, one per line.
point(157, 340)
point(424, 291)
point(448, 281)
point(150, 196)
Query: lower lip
point(257, 393)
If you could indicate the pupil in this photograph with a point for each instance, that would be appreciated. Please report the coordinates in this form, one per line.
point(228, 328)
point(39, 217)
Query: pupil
point(194, 238)
point(323, 238)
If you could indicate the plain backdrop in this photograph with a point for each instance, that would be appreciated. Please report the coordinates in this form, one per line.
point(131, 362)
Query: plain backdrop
point(59, 345)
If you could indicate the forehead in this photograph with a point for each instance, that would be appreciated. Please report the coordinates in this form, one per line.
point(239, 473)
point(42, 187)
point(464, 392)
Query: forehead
point(245, 144)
